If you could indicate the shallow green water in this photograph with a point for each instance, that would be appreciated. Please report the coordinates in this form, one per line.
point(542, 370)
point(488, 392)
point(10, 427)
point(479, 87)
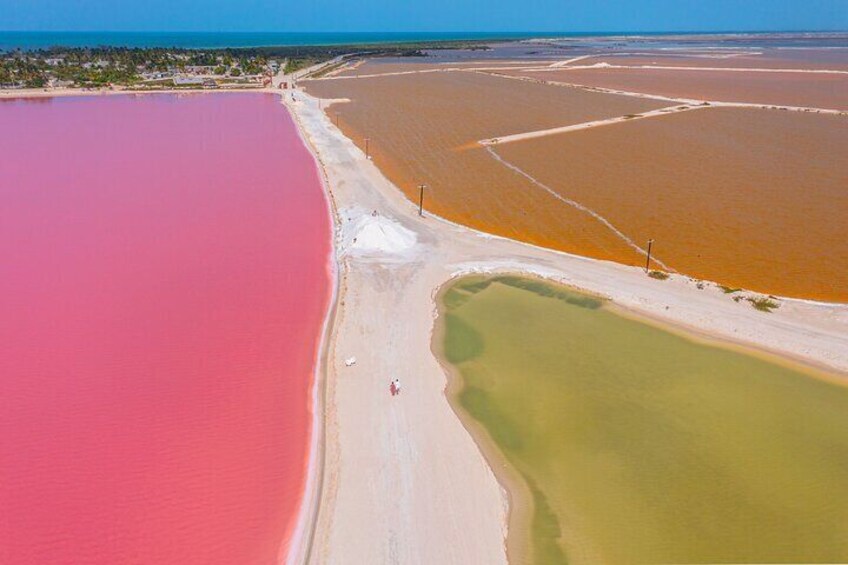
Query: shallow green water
point(642, 446)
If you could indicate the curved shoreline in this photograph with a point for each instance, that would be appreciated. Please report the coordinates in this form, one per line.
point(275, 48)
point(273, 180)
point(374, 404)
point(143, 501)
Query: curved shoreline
point(299, 545)
point(515, 487)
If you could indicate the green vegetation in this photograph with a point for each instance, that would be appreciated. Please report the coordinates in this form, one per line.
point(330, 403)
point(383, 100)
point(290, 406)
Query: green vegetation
point(641, 446)
point(326, 70)
point(129, 67)
point(728, 290)
point(294, 65)
point(659, 275)
point(763, 303)
point(22, 71)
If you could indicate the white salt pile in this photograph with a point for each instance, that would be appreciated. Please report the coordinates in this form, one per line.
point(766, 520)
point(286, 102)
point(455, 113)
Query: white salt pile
point(365, 232)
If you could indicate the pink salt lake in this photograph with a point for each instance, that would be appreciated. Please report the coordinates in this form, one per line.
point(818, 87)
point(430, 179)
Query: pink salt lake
point(164, 277)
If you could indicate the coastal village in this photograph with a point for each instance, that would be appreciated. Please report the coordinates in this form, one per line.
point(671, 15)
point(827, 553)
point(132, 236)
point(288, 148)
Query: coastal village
point(158, 68)
point(140, 69)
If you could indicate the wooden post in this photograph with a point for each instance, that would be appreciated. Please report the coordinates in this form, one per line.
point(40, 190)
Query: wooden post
point(648, 262)
point(421, 188)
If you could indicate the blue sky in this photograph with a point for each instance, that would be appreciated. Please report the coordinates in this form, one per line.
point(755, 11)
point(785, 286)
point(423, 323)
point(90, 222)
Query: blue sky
point(422, 15)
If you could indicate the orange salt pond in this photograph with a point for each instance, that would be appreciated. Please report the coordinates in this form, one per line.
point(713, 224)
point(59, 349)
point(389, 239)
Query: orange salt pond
point(424, 128)
point(750, 198)
point(745, 197)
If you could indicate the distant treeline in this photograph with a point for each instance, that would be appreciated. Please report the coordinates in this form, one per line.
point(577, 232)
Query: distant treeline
point(100, 66)
point(403, 49)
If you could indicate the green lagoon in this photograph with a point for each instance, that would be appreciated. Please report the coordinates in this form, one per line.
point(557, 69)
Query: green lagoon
point(638, 445)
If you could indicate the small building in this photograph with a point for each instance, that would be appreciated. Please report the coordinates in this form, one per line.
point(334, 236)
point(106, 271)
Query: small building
point(199, 69)
point(56, 83)
point(188, 81)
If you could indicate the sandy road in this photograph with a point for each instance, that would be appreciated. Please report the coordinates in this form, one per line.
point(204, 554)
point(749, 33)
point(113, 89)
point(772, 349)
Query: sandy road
point(672, 99)
point(566, 66)
point(588, 125)
point(402, 482)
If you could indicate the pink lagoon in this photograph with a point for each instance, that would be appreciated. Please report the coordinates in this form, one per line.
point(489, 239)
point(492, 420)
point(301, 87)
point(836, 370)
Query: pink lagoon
point(164, 281)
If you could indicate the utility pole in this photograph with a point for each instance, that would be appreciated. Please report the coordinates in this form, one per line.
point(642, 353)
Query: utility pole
point(648, 262)
point(367, 154)
point(421, 188)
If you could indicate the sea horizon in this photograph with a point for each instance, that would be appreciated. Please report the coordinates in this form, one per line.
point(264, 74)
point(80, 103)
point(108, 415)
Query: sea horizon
point(33, 40)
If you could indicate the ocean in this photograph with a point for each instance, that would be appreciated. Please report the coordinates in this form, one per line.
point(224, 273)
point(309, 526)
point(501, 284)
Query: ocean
point(28, 40)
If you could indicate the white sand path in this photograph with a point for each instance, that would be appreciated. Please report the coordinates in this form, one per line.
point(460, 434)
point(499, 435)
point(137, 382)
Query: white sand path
point(688, 101)
point(560, 64)
point(686, 68)
point(589, 125)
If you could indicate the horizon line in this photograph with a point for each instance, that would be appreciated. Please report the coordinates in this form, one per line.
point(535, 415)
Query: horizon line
point(711, 31)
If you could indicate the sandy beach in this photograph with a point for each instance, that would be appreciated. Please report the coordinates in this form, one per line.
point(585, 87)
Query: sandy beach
point(401, 480)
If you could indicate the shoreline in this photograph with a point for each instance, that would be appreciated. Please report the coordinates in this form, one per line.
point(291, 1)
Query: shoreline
point(520, 506)
point(299, 545)
point(29, 93)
